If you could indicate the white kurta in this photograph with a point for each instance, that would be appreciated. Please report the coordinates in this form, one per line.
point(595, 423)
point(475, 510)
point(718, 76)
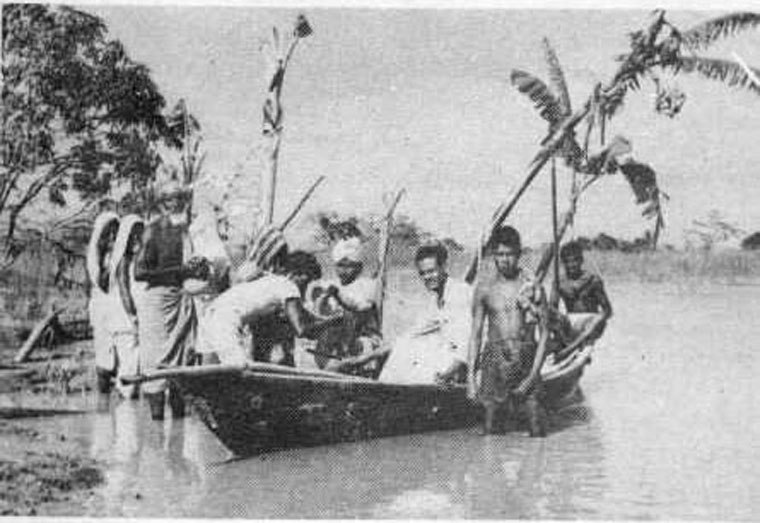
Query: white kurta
point(440, 339)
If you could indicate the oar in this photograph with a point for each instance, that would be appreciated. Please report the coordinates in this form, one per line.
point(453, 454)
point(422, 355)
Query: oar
point(205, 370)
point(385, 242)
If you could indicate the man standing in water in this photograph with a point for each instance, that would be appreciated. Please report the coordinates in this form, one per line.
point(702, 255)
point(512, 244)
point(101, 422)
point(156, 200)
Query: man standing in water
point(510, 361)
point(166, 314)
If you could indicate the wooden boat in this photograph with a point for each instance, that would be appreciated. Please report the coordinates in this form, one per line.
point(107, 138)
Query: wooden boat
point(261, 407)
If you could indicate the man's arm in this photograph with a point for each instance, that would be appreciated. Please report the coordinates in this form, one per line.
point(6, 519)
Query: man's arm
point(347, 364)
point(361, 300)
point(603, 299)
point(304, 324)
point(541, 310)
point(589, 328)
point(476, 338)
point(538, 362)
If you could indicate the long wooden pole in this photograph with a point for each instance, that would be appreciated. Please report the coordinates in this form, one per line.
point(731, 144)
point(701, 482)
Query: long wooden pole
point(543, 156)
point(555, 234)
point(385, 240)
point(301, 202)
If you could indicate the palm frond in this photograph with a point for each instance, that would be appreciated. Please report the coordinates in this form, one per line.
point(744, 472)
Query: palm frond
point(706, 33)
point(549, 107)
point(726, 71)
point(557, 79)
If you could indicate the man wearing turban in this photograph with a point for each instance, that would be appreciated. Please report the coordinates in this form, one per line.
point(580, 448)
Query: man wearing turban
point(354, 297)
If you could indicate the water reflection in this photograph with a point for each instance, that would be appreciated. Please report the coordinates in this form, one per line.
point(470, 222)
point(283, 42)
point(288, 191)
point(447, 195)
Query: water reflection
point(147, 467)
point(177, 468)
point(669, 430)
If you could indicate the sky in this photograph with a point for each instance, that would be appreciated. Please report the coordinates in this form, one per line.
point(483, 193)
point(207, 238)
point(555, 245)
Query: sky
point(378, 99)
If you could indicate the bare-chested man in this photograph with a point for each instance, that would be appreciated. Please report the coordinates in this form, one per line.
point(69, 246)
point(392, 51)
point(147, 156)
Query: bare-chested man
point(586, 303)
point(510, 360)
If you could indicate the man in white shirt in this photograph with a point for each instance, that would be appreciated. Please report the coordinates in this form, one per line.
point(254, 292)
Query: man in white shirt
point(436, 350)
point(279, 292)
point(353, 296)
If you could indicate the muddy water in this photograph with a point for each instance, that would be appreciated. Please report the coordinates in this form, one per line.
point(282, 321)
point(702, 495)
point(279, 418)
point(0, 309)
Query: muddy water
point(669, 429)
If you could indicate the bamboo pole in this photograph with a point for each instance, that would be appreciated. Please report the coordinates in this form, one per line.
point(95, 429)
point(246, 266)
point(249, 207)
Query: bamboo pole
point(385, 240)
point(543, 156)
point(301, 202)
point(257, 367)
point(273, 112)
point(555, 234)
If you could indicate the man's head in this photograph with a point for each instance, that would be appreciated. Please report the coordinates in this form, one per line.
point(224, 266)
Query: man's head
point(348, 262)
point(431, 266)
point(505, 246)
point(303, 268)
point(571, 255)
point(173, 200)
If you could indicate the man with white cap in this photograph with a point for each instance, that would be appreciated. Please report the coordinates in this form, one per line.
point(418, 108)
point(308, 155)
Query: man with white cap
point(354, 297)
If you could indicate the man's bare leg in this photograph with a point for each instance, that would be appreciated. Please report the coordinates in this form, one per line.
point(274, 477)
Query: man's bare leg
point(536, 417)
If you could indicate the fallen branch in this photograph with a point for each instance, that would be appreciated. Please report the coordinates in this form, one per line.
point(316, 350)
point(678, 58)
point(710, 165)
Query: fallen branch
point(31, 342)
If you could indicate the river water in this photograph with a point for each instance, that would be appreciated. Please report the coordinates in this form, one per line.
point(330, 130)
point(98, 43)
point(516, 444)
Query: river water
point(669, 429)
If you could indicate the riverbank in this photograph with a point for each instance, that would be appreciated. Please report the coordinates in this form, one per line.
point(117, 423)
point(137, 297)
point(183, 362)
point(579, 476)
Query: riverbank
point(44, 472)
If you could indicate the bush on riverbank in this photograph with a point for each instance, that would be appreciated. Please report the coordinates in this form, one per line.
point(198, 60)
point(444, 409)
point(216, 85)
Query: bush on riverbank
point(670, 265)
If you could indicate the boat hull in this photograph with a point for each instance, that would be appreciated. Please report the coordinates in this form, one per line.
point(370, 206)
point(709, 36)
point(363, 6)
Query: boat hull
point(253, 411)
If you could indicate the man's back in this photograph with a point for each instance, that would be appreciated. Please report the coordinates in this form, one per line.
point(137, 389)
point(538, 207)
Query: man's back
point(261, 297)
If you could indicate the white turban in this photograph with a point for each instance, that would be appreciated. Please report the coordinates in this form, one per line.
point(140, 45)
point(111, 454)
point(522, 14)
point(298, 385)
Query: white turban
point(349, 249)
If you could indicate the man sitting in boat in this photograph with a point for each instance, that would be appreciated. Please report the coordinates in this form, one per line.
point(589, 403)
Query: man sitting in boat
point(353, 297)
point(434, 351)
point(510, 360)
point(585, 300)
point(227, 332)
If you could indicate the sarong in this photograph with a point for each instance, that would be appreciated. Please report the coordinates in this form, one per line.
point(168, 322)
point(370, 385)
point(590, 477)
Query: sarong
point(503, 366)
point(167, 326)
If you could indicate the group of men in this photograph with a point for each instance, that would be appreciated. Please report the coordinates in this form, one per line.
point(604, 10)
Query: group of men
point(494, 336)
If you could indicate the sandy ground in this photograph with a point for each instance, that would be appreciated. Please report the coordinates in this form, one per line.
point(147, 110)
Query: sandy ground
point(43, 473)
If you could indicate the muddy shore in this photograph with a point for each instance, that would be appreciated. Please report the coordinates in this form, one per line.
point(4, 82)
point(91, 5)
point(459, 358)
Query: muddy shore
point(43, 473)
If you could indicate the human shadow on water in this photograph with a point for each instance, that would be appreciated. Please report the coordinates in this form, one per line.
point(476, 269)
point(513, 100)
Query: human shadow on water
point(146, 472)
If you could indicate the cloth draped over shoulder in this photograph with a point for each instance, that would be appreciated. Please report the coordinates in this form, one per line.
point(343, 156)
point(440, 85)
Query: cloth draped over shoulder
point(119, 318)
point(101, 303)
